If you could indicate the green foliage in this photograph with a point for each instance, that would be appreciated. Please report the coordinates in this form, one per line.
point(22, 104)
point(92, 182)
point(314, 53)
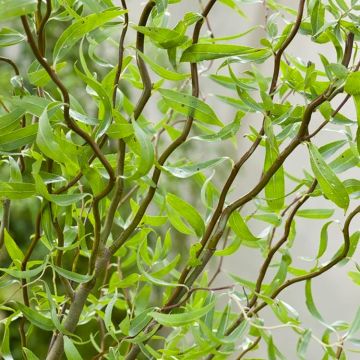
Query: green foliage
point(125, 186)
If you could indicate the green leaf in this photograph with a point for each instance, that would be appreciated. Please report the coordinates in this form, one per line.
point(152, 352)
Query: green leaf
point(108, 313)
point(51, 145)
point(163, 37)
point(176, 320)
point(351, 86)
point(81, 27)
point(303, 344)
point(329, 149)
point(11, 9)
point(118, 283)
point(5, 350)
point(36, 318)
point(18, 138)
point(188, 212)
point(310, 302)
point(141, 251)
point(355, 326)
point(275, 188)
point(16, 191)
point(231, 249)
point(36, 105)
point(240, 228)
point(39, 76)
point(71, 351)
point(271, 349)
point(10, 37)
point(315, 213)
point(12, 248)
point(66, 199)
point(120, 130)
point(355, 277)
point(317, 16)
point(140, 321)
point(323, 240)
point(345, 161)
point(79, 278)
point(190, 106)
point(161, 71)
point(187, 171)
point(10, 121)
point(353, 187)
point(144, 148)
point(329, 183)
point(24, 274)
point(105, 107)
point(30, 355)
point(200, 52)
point(226, 132)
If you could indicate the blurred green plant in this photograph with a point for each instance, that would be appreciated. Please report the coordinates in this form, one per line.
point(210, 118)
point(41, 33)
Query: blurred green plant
point(97, 191)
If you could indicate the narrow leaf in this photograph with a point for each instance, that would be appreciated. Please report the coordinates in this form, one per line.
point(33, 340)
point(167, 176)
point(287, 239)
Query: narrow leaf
point(190, 106)
point(200, 52)
point(275, 188)
point(81, 27)
point(329, 183)
point(188, 317)
point(11, 8)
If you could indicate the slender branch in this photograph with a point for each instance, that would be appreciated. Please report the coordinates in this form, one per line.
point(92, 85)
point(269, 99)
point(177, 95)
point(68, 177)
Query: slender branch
point(11, 63)
point(281, 242)
point(219, 268)
point(346, 60)
point(285, 44)
point(5, 221)
point(235, 170)
point(250, 348)
point(66, 98)
point(342, 255)
point(99, 255)
point(24, 262)
point(145, 77)
point(41, 29)
point(169, 150)
point(302, 132)
point(324, 268)
point(213, 241)
point(60, 235)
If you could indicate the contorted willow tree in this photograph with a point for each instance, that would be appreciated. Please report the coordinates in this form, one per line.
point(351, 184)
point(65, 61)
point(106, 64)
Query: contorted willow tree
point(109, 184)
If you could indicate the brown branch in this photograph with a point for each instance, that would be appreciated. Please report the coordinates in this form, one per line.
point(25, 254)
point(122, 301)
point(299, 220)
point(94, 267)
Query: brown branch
point(346, 60)
point(285, 44)
point(235, 170)
point(11, 63)
point(145, 77)
point(99, 255)
point(41, 29)
point(302, 132)
point(66, 99)
point(169, 150)
point(219, 267)
point(323, 269)
point(251, 347)
point(5, 221)
point(278, 245)
point(24, 262)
